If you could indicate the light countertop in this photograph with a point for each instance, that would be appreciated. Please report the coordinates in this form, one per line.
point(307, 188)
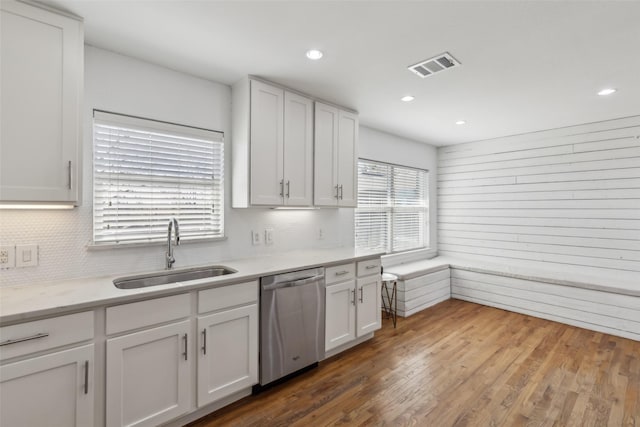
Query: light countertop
point(30, 301)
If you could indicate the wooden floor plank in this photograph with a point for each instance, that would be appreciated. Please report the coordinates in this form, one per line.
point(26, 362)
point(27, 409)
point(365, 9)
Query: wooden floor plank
point(459, 364)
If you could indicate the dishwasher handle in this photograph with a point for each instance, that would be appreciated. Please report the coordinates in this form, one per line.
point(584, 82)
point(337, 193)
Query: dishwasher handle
point(292, 283)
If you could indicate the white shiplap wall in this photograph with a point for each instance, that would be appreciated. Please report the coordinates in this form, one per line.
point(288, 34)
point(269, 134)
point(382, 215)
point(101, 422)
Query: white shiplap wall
point(569, 197)
point(600, 311)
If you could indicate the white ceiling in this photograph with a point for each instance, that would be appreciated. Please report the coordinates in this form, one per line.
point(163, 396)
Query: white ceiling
point(526, 65)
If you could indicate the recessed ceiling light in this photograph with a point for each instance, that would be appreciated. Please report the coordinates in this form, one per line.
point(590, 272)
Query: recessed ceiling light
point(461, 122)
point(314, 54)
point(608, 91)
point(407, 98)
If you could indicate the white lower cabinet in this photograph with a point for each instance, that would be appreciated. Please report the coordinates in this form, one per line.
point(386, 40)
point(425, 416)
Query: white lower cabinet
point(352, 305)
point(151, 349)
point(51, 390)
point(369, 316)
point(340, 326)
point(228, 360)
point(149, 376)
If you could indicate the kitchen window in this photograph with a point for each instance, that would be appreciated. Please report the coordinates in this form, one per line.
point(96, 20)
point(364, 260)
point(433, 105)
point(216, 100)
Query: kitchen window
point(146, 172)
point(392, 212)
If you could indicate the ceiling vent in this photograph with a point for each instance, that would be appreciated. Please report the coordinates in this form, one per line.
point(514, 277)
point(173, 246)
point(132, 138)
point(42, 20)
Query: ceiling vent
point(434, 65)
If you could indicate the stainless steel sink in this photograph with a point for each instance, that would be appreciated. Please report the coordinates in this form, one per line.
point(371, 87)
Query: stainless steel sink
point(166, 277)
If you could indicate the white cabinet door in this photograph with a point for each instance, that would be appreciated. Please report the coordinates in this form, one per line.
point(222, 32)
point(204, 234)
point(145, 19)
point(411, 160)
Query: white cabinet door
point(149, 376)
point(228, 353)
point(369, 312)
point(51, 390)
point(298, 150)
point(340, 314)
point(336, 155)
point(267, 144)
point(347, 159)
point(41, 82)
point(326, 155)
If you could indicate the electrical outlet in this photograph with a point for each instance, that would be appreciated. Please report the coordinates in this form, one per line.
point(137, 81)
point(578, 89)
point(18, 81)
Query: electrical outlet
point(320, 234)
point(268, 236)
point(7, 256)
point(256, 238)
point(26, 256)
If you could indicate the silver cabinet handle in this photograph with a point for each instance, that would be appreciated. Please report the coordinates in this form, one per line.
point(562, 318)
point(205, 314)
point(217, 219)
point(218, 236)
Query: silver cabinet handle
point(361, 295)
point(369, 267)
point(204, 341)
point(185, 346)
point(69, 169)
point(86, 377)
point(342, 273)
point(282, 188)
point(353, 292)
point(341, 192)
point(288, 189)
point(17, 340)
point(337, 192)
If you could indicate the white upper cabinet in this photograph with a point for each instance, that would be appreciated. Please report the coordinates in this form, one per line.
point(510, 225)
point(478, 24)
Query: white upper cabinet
point(298, 150)
point(336, 143)
point(347, 159)
point(267, 144)
point(326, 156)
point(41, 84)
point(272, 146)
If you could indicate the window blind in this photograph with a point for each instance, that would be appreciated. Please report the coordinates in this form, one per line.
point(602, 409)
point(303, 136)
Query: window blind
point(146, 172)
point(392, 207)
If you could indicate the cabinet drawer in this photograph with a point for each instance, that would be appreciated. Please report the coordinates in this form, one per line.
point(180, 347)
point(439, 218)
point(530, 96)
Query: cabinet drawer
point(126, 317)
point(340, 273)
point(369, 266)
point(227, 296)
point(25, 338)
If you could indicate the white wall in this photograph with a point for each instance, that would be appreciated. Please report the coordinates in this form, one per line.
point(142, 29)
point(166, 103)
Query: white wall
point(125, 85)
point(566, 197)
point(384, 147)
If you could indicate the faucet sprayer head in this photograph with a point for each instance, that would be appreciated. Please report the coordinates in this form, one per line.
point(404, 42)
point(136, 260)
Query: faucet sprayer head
point(177, 227)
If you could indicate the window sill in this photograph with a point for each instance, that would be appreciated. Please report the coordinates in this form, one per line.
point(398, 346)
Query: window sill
point(108, 246)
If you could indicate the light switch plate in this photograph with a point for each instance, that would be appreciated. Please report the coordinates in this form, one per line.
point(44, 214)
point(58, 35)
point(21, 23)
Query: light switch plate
point(7, 256)
point(26, 255)
point(256, 238)
point(268, 236)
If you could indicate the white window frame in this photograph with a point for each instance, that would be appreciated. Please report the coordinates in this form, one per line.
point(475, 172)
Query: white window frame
point(206, 226)
point(392, 209)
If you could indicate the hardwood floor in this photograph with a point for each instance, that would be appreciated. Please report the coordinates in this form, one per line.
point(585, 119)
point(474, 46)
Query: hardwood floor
point(460, 364)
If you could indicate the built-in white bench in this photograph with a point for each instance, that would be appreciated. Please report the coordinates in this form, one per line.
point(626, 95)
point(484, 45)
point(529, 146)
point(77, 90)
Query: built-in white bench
point(598, 299)
point(420, 285)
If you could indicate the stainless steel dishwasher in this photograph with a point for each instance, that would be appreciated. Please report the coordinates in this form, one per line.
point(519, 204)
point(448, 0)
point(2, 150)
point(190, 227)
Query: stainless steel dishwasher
point(291, 323)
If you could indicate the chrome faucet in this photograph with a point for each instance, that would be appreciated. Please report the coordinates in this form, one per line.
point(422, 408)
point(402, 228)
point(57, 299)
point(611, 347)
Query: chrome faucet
point(173, 223)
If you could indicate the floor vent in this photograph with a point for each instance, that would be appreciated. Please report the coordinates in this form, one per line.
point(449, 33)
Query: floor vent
point(434, 65)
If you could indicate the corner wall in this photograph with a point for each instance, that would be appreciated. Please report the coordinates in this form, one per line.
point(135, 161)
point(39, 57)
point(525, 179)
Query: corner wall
point(384, 147)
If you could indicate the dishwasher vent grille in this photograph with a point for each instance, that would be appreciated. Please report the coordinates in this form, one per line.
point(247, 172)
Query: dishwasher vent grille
point(428, 67)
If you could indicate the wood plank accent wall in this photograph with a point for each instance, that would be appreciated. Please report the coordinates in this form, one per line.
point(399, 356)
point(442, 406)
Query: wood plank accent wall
point(567, 196)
